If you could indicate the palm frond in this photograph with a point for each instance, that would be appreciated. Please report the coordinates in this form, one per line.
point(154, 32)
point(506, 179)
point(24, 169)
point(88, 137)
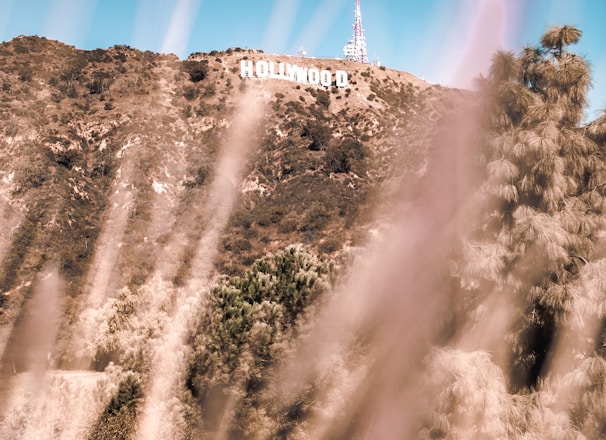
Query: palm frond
point(595, 201)
point(557, 37)
point(548, 166)
point(501, 143)
point(543, 112)
point(529, 59)
point(574, 143)
point(508, 192)
point(573, 70)
point(538, 145)
point(515, 100)
point(552, 198)
point(483, 261)
point(597, 128)
point(472, 399)
point(504, 66)
point(541, 231)
point(502, 170)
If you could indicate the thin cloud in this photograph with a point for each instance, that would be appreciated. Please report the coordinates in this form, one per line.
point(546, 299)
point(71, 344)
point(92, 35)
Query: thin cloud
point(280, 25)
point(317, 28)
point(180, 27)
point(68, 20)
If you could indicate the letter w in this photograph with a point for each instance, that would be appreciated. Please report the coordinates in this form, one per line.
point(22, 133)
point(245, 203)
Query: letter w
point(296, 73)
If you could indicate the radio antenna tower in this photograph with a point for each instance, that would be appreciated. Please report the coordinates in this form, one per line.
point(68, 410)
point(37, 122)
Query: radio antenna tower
point(355, 49)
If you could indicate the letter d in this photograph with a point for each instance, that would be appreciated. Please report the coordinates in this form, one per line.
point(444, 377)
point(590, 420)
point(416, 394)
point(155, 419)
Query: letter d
point(341, 78)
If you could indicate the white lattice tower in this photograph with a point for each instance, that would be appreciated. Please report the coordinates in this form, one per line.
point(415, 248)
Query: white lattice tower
point(355, 49)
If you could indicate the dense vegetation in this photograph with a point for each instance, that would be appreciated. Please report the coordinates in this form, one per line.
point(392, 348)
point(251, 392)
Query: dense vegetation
point(248, 325)
point(534, 244)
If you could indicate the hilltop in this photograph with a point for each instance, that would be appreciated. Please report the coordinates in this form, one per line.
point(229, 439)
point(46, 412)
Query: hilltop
point(72, 116)
point(107, 170)
point(186, 253)
point(189, 254)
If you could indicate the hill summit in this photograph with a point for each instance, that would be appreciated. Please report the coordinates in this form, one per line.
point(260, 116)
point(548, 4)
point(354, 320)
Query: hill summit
point(245, 245)
point(126, 173)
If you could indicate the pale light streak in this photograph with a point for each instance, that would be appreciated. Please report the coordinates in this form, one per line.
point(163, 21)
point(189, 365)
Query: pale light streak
point(180, 27)
point(315, 30)
point(463, 37)
point(68, 20)
point(280, 25)
point(169, 362)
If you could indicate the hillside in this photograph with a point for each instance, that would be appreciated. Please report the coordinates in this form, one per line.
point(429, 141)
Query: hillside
point(122, 171)
point(188, 254)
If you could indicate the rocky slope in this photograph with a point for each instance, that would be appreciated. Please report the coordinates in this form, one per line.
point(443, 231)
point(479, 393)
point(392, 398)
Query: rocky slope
point(135, 179)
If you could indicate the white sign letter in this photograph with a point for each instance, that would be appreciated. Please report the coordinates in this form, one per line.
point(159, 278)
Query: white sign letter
point(300, 73)
point(272, 70)
point(262, 69)
point(314, 76)
point(325, 78)
point(246, 69)
point(341, 78)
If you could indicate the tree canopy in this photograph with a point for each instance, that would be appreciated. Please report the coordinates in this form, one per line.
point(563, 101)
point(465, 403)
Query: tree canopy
point(534, 242)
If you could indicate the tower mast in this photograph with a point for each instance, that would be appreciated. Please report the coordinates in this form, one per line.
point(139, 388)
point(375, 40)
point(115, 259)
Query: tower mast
point(355, 49)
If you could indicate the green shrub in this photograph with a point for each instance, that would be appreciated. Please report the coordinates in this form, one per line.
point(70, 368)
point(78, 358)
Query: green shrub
point(210, 90)
point(118, 420)
point(319, 135)
point(197, 70)
point(253, 314)
point(190, 93)
point(346, 156)
point(323, 98)
point(25, 73)
point(329, 246)
point(99, 56)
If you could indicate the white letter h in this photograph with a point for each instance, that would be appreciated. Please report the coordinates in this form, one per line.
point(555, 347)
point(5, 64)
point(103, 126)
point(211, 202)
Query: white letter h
point(246, 69)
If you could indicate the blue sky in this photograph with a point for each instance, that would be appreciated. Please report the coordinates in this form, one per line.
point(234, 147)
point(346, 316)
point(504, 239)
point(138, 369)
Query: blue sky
point(443, 41)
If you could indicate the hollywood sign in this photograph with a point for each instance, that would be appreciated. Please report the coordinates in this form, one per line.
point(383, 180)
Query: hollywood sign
point(292, 72)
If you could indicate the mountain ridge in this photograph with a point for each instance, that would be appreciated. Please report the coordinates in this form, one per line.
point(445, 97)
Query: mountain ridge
point(108, 166)
point(186, 253)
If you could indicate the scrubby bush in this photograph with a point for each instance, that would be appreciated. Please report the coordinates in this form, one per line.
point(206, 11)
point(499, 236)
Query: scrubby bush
point(348, 155)
point(25, 72)
point(197, 70)
point(247, 319)
point(190, 93)
point(319, 135)
point(125, 327)
point(118, 420)
point(323, 98)
point(99, 56)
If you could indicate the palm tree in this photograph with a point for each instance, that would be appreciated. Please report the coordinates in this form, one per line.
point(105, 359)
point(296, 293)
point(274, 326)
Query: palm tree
point(545, 196)
point(533, 241)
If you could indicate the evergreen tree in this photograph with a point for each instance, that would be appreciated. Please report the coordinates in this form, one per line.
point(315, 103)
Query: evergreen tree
point(245, 328)
point(546, 178)
point(534, 239)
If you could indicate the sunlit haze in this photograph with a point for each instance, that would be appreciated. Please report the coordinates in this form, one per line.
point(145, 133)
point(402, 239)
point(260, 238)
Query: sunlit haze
point(427, 38)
